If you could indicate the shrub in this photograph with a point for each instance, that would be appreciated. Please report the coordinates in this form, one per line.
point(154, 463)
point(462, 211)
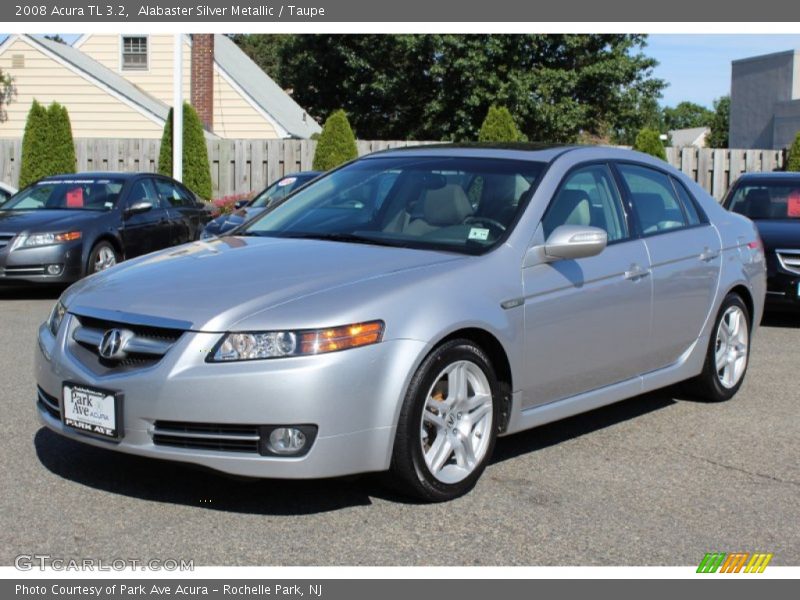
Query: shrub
point(793, 160)
point(34, 164)
point(226, 204)
point(499, 126)
point(62, 146)
point(649, 142)
point(336, 144)
point(196, 170)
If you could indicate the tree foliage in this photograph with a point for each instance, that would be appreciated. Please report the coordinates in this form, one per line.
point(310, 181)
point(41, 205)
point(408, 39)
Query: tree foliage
point(720, 124)
point(687, 115)
point(196, 170)
point(440, 87)
point(499, 126)
point(336, 144)
point(263, 49)
point(649, 142)
point(793, 160)
point(47, 145)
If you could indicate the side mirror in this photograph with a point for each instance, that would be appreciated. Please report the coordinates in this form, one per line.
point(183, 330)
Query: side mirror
point(138, 207)
point(569, 242)
point(240, 204)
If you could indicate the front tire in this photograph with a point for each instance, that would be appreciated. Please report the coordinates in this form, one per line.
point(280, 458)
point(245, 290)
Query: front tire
point(448, 424)
point(728, 353)
point(103, 256)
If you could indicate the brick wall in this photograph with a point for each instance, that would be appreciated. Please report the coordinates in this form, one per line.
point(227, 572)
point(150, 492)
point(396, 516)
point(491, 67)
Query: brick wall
point(202, 79)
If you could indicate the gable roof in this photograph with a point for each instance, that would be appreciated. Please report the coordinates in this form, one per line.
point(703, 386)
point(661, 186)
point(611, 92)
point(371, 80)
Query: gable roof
point(102, 75)
point(692, 136)
point(262, 89)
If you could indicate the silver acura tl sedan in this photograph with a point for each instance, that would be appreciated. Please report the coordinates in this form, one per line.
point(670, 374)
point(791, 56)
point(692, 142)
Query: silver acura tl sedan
point(403, 311)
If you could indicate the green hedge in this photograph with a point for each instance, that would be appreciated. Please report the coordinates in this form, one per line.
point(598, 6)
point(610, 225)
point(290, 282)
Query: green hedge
point(47, 144)
point(336, 144)
point(499, 126)
point(649, 142)
point(196, 169)
point(793, 160)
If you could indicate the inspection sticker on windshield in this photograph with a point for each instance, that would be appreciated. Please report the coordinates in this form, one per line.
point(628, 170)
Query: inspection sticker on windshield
point(478, 233)
point(287, 181)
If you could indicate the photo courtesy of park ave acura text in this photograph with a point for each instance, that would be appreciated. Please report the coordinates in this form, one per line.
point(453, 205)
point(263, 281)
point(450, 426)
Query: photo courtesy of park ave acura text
point(398, 299)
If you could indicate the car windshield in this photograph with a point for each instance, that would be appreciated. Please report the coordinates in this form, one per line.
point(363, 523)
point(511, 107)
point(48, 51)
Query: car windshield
point(456, 204)
point(79, 194)
point(279, 190)
point(767, 200)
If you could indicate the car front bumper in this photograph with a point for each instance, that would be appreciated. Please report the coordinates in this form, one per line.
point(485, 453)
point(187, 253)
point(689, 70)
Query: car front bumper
point(353, 398)
point(29, 265)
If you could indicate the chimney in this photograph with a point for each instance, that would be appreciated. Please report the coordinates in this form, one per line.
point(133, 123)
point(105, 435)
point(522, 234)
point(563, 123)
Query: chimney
point(202, 77)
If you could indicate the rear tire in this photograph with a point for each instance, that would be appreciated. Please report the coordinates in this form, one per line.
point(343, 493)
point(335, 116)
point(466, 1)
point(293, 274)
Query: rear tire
point(448, 424)
point(728, 353)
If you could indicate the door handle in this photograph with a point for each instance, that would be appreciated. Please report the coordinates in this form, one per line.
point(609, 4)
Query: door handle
point(707, 255)
point(635, 273)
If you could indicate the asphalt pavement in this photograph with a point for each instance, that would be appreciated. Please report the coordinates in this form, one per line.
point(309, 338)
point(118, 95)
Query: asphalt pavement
point(654, 480)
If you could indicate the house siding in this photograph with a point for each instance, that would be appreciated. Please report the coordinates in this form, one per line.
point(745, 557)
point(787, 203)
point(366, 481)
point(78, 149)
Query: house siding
point(234, 116)
point(93, 111)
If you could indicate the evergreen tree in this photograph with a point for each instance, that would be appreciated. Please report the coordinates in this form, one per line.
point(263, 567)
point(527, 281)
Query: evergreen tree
point(196, 169)
point(649, 142)
point(336, 144)
point(499, 126)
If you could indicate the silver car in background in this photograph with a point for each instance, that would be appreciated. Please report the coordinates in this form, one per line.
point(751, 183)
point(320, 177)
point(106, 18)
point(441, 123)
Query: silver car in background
point(402, 312)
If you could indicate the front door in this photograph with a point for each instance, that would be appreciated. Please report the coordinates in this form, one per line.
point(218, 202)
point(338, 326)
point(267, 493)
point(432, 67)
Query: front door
point(587, 321)
point(145, 231)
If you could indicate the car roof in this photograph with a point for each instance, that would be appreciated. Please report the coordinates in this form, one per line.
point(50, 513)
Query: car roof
point(518, 151)
point(775, 175)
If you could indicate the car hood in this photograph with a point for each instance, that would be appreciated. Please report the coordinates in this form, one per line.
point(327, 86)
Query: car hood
point(779, 233)
point(212, 285)
point(17, 221)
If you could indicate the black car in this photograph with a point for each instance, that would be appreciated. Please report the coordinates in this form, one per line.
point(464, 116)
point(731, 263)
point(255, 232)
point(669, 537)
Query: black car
point(772, 201)
point(246, 210)
point(62, 228)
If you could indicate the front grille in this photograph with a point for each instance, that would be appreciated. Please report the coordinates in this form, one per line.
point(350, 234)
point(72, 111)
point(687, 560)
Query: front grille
point(50, 404)
point(5, 239)
point(222, 437)
point(145, 345)
point(789, 259)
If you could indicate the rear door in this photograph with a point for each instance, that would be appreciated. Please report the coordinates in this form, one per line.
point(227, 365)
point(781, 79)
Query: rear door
point(685, 261)
point(186, 216)
point(146, 231)
point(586, 320)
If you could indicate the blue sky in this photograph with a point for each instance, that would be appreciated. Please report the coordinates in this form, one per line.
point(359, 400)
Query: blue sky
point(697, 67)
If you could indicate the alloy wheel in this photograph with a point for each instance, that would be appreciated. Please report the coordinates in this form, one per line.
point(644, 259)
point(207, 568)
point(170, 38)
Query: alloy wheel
point(731, 349)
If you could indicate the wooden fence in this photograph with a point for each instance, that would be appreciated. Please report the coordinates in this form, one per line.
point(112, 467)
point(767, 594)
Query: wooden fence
point(240, 166)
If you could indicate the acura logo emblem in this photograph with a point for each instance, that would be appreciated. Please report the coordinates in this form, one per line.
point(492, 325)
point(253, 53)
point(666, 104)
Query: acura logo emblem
point(112, 346)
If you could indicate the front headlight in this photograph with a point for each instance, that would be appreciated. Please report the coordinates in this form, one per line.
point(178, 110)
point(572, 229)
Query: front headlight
point(33, 240)
point(279, 344)
point(55, 318)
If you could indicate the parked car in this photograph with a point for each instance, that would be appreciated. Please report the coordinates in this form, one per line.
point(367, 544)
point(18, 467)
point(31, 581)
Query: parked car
point(772, 201)
point(403, 311)
point(6, 191)
point(62, 228)
point(247, 210)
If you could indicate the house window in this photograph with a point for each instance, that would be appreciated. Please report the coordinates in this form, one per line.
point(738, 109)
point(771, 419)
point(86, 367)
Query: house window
point(134, 53)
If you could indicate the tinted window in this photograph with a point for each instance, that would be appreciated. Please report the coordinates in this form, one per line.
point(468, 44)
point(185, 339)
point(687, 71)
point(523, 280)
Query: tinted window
point(83, 194)
point(689, 205)
point(588, 196)
point(657, 208)
point(279, 190)
point(173, 194)
point(142, 190)
point(767, 200)
point(425, 202)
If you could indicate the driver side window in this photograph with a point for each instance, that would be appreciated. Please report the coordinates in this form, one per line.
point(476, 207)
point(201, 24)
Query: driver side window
point(588, 196)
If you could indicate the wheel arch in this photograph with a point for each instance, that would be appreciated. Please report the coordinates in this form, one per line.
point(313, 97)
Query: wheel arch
point(109, 237)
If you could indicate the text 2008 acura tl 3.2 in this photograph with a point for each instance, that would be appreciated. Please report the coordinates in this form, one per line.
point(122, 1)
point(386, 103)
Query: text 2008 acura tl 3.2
point(403, 311)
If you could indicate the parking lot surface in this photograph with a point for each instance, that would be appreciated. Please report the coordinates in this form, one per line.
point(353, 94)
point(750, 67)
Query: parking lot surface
point(654, 480)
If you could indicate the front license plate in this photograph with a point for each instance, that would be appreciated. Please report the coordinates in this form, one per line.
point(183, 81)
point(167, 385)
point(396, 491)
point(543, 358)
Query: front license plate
point(92, 411)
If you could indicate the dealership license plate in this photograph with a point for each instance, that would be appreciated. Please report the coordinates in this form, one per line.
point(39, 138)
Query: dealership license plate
point(92, 411)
